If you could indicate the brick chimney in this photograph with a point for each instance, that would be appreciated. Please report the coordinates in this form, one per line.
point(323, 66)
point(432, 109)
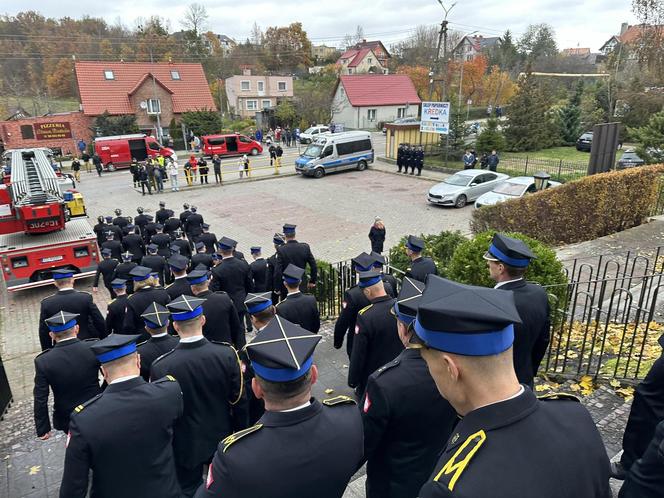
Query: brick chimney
point(246, 71)
point(623, 28)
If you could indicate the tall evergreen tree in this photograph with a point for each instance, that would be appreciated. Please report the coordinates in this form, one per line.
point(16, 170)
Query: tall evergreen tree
point(527, 126)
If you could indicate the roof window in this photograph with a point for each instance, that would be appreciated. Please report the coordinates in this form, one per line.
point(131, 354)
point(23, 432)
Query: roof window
point(108, 74)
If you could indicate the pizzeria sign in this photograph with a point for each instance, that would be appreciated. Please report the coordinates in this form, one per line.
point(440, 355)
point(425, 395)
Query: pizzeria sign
point(52, 131)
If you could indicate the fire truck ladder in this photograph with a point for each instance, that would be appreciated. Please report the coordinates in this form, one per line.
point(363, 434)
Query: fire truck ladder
point(33, 180)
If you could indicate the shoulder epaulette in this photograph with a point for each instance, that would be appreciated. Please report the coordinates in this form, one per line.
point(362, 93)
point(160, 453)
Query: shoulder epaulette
point(227, 442)
point(224, 343)
point(169, 285)
point(45, 351)
point(461, 458)
point(567, 396)
point(389, 365)
point(365, 309)
point(339, 400)
point(162, 356)
point(112, 301)
point(90, 339)
point(166, 378)
point(141, 343)
point(80, 408)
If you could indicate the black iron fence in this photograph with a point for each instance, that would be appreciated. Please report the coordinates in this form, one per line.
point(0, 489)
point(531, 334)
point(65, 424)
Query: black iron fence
point(606, 324)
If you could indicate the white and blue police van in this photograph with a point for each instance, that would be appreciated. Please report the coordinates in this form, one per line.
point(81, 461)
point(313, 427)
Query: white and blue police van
point(332, 152)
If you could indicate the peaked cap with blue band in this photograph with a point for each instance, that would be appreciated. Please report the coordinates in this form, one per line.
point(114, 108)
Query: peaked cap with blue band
point(379, 259)
point(278, 239)
point(415, 244)
point(226, 243)
point(255, 249)
point(178, 262)
point(118, 283)
point(289, 228)
point(185, 308)
point(363, 262)
point(197, 276)
point(369, 278)
point(126, 256)
point(63, 273)
point(292, 274)
point(283, 351)
point(114, 346)
point(405, 307)
point(512, 252)
point(106, 252)
point(139, 273)
point(464, 319)
point(61, 321)
point(155, 316)
point(257, 302)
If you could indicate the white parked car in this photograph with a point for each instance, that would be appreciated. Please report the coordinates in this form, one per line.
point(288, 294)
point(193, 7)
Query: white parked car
point(464, 186)
point(513, 188)
point(311, 134)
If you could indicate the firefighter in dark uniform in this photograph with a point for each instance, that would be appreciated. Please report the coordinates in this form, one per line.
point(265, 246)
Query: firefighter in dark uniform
point(300, 446)
point(133, 243)
point(105, 269)
point(297, 253)
point(181, 242)
point(399, 157)
point(208, 238)
point(233, 276)
point(298, 308)
point(178, 268)
point(277, 240)
point(120, 220)
point(117, 308)
point(258, 270)
point(645, 478)
point(399, 459)
point(90, 322)
point(141, 220)
point(391, 283)
point(160, 342)
point(155, 262)
point(507, 442)
point(116, 433)
point(114, 245)
point(201, 257)
point(420, 266)
point(53, 369)
point(123, 271)
point(406, 158)
point(192, 226)
point(151, 229)
point(508, 260)
point(185, 213)
point(162, 213)
point(162, 241)
point(115, 229)
point(210, 375)
point(354, 300)
point(419, 159)
point(100, 230)
point(222, 323)
point(146, 291)
point(171, 225)
point(376, 339)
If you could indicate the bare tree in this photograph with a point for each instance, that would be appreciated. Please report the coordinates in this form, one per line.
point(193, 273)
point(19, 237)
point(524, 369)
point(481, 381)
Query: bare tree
point(195, 18)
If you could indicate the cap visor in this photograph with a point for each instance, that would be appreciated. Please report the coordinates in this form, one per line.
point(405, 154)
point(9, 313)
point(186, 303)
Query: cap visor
point(490, 257)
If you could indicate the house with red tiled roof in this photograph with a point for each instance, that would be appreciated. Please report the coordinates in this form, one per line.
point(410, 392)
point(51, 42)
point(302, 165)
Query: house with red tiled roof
point(629, 35)
point(147, 90)
point(360, 61)
point(470, 47)
point(365, 101)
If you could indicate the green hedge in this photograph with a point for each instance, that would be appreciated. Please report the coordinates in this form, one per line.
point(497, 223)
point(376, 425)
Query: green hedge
point(584, 209)
point(439, 247)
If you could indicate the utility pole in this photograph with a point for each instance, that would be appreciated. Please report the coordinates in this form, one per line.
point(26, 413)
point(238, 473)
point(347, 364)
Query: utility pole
point(442, 38)
point(154, 91)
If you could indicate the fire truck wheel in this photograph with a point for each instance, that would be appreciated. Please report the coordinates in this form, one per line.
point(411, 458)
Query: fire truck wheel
point(110, 167)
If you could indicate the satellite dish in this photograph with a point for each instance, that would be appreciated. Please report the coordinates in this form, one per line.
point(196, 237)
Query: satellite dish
point(144, 104)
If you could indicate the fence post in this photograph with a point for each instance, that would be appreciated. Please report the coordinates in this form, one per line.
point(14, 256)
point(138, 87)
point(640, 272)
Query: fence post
point(560, 169)
point(525, 170)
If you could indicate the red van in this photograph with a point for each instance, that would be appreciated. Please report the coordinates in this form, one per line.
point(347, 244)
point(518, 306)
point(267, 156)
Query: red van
point(117, 151)
point(230, 145)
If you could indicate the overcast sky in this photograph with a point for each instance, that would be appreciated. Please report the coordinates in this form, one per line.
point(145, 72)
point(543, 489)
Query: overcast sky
point(586, 23)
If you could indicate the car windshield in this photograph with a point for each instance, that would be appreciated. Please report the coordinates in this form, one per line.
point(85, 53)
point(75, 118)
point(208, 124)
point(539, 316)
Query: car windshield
point(630, 156)
point(458, 180)
point(509, 188)
point(309, 130)
point(313, 150)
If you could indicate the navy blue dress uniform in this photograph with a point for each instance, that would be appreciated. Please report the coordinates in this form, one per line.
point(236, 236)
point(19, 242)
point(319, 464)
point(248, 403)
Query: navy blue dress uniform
point(162, 213)
point(311, 451)
point(519, 446)
point(221, 319)
point(114, 245)
point(183, 244)
point(399, 395)
point(133, 243)
point(141, 299)
point(160, 342)
point(100, 230)
point(296, 253)
point(141, 219)
point(201, 257)
point(299, 308)
point(90, 322)
point(151, 229)
point(391, 283)
point(120, 220)
point(400, 157)
point(172, 225)
point(193, 224)
point(163, 242)
point(117, 309)
point(105, 269)
point(532, 335)
point(376, 339)
point(645, 478)
point(233, 276)
point(155, 262)
point(185, 213)
point(180, 285)
point(114, 229)
point(422, 266)
point(210, 375)
point(354, 300)
point(259, 271)
point(123, 271)
point(208, 238)
point(419, 159)
point(277, 240)
point(124, 435)
point(69, 369)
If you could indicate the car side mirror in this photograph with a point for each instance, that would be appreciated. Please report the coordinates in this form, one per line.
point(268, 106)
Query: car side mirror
point(474, 184)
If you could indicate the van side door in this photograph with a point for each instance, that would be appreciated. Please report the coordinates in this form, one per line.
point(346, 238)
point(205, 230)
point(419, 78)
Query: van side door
point(327, 157)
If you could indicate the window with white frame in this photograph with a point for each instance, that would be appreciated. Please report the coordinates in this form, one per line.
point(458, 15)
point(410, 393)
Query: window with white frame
point(281, 86)
point(154, 106)
point(252, 105)
point(245, 86)
point(175, 74)
point(401, 112)
point(267, 104)
point(261, 86)
point(369, 60)
point(108, 74)
point(469, 58)
point(371, 114)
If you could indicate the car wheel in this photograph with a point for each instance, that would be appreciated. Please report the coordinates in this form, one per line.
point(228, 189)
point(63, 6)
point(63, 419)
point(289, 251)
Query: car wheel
point(461, 201)
point(254, 151)
point(361, 166)
point(110, 167)
point(319, 173)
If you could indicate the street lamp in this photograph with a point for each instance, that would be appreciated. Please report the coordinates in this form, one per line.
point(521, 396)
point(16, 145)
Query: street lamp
point(541, 180)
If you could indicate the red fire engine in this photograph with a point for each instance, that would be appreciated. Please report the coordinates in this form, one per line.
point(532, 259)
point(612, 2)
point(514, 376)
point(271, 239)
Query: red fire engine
point(37, 232)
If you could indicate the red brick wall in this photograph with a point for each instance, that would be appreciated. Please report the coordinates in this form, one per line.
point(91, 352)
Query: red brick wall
point(149, 91)
point(10, 132)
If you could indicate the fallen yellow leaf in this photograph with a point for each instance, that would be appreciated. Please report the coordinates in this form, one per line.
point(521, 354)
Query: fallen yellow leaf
point(34, 470)
point(542, 387)
point(329, 391)
point(575, 387)
point(614, 383)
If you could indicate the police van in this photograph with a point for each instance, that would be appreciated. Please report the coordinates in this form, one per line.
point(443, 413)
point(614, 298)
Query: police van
point(332, 152)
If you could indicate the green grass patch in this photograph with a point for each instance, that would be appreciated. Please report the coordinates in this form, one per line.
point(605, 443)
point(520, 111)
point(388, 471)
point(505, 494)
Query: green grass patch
point(38, 106)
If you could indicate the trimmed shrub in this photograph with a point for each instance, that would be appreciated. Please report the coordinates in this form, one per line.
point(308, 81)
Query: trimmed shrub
point(584, 209)
point(440, 247)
